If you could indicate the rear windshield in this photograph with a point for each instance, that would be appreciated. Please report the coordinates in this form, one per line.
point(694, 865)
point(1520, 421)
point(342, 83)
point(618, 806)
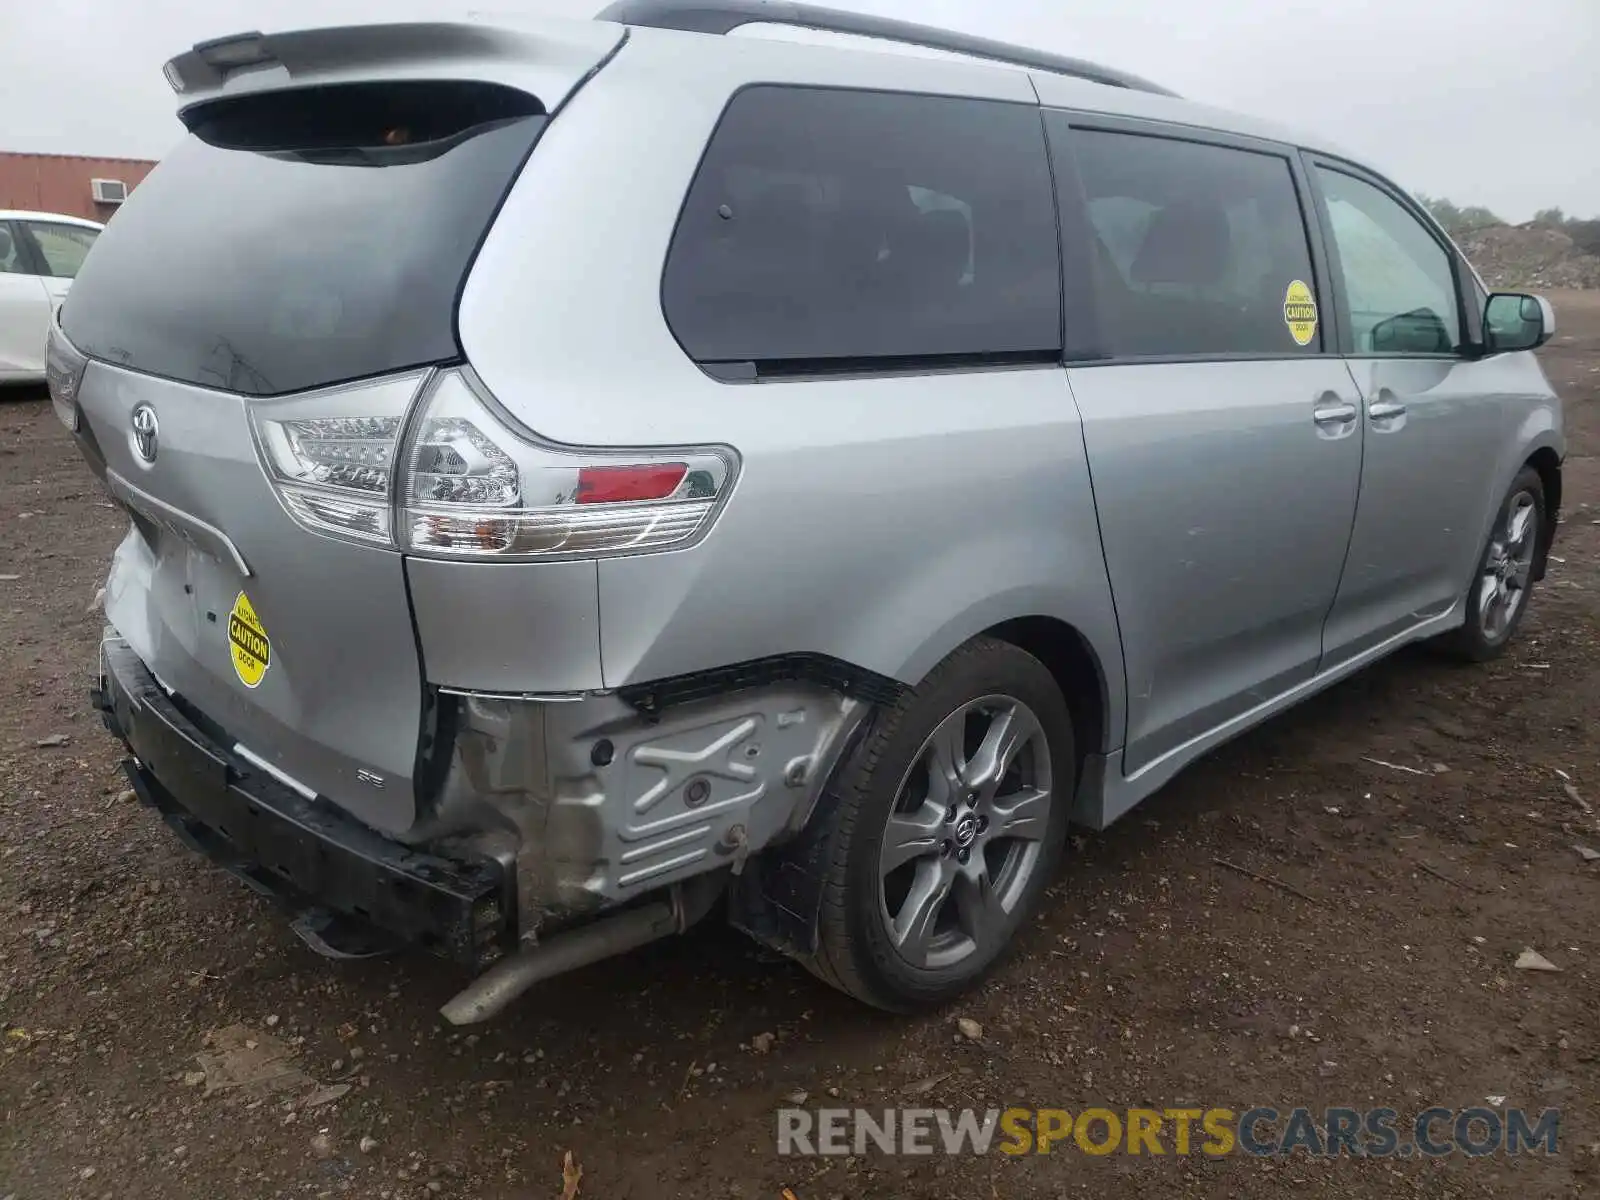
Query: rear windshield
point(302, 239)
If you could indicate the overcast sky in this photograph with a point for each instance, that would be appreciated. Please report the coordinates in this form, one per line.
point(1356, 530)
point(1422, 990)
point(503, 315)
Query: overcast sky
point(1493, 102)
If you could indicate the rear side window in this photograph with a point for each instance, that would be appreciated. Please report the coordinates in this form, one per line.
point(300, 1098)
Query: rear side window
point(12, 260)
point(832, 228)
point(1199, 249)
point(299, 239)
point(62, 247)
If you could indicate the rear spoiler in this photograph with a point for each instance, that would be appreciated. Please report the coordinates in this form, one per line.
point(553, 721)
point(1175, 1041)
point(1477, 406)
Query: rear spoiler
point(559, 55)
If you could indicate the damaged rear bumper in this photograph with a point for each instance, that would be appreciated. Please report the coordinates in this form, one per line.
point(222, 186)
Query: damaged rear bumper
point(348, 886)
point(544, 815)
point(601, 799)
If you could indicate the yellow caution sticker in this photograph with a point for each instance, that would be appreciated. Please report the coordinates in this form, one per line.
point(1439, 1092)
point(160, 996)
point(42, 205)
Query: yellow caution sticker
point(1300, 313)
point(248, 643)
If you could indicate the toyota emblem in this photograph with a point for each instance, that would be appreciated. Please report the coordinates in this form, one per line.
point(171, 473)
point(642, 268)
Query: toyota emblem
point(146, 429)
point(966, 831)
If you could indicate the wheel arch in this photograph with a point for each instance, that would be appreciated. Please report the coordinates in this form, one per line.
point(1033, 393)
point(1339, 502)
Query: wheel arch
point(1547, 463)
point(1538, 443)
point(1084, 655)
point(1078, 672)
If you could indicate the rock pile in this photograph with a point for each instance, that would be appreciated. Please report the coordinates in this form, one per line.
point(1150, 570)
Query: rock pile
point(1530, 257)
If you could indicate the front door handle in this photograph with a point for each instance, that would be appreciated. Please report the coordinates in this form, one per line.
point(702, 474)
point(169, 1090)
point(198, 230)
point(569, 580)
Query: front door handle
point(1385, 410)
point(1335, 412)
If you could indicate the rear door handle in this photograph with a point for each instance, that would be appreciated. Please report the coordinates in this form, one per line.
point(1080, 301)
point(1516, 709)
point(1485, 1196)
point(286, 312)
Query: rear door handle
point(1385, 410)
point(1336, 412)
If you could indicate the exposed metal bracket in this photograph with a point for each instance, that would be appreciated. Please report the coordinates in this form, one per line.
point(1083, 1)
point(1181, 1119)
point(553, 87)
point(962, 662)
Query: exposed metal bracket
point(724, 16)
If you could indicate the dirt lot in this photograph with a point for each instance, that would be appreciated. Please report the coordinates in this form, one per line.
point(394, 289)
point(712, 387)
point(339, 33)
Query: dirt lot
point(1380, 975)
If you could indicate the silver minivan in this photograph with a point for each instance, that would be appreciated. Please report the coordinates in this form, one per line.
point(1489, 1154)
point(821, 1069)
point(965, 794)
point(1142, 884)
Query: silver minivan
point(585, 476)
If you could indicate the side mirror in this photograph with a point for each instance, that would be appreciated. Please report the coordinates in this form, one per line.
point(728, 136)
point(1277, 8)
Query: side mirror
point(1513, 321)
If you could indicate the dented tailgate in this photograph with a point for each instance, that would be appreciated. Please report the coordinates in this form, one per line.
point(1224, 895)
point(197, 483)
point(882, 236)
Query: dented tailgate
point(299, 647)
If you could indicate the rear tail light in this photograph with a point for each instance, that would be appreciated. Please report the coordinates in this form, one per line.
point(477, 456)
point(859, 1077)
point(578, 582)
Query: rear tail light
point(459, 479)
point(63, 372)
point(334, 471)
point(473, 488)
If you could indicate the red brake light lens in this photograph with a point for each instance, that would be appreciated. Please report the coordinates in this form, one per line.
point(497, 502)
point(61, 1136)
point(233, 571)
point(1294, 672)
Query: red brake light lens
point(615, 485)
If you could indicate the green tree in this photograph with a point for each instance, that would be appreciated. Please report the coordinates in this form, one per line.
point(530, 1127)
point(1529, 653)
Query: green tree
point(1585, 235)
point(1446, 213)
point(1475, 217)
point(1457, 220)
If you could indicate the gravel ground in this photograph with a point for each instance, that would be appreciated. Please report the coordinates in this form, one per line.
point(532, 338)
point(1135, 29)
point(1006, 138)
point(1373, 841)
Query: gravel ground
point(134, 978)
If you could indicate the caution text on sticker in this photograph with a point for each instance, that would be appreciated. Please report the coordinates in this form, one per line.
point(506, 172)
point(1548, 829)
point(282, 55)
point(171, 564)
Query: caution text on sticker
point(248, 644)
point(1300, 312)
point(252, 641)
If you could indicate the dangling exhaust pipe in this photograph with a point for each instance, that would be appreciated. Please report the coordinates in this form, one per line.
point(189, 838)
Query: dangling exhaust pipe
point(491, 992)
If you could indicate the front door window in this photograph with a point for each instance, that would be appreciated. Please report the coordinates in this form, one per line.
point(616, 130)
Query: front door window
point(1399, 282)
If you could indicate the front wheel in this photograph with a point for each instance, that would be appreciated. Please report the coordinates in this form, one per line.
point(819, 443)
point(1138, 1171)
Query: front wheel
point(951, 822)
point(1498, 596)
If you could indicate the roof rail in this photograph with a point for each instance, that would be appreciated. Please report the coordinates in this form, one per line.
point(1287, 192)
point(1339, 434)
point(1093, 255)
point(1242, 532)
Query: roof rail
point(723, 16)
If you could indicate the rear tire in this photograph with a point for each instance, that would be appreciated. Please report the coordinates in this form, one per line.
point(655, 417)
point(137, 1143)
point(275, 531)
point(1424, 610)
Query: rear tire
point(950, 824)
point(1497, 599)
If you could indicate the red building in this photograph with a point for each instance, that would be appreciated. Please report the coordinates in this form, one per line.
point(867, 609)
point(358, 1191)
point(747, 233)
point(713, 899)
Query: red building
point(68, 183)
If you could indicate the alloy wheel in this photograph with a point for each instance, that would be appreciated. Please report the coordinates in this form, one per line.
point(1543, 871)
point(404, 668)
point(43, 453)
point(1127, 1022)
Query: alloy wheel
point(966, 833)
point(1508, 567)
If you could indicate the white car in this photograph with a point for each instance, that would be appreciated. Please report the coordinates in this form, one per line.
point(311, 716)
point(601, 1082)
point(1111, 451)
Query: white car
point(40, 253)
